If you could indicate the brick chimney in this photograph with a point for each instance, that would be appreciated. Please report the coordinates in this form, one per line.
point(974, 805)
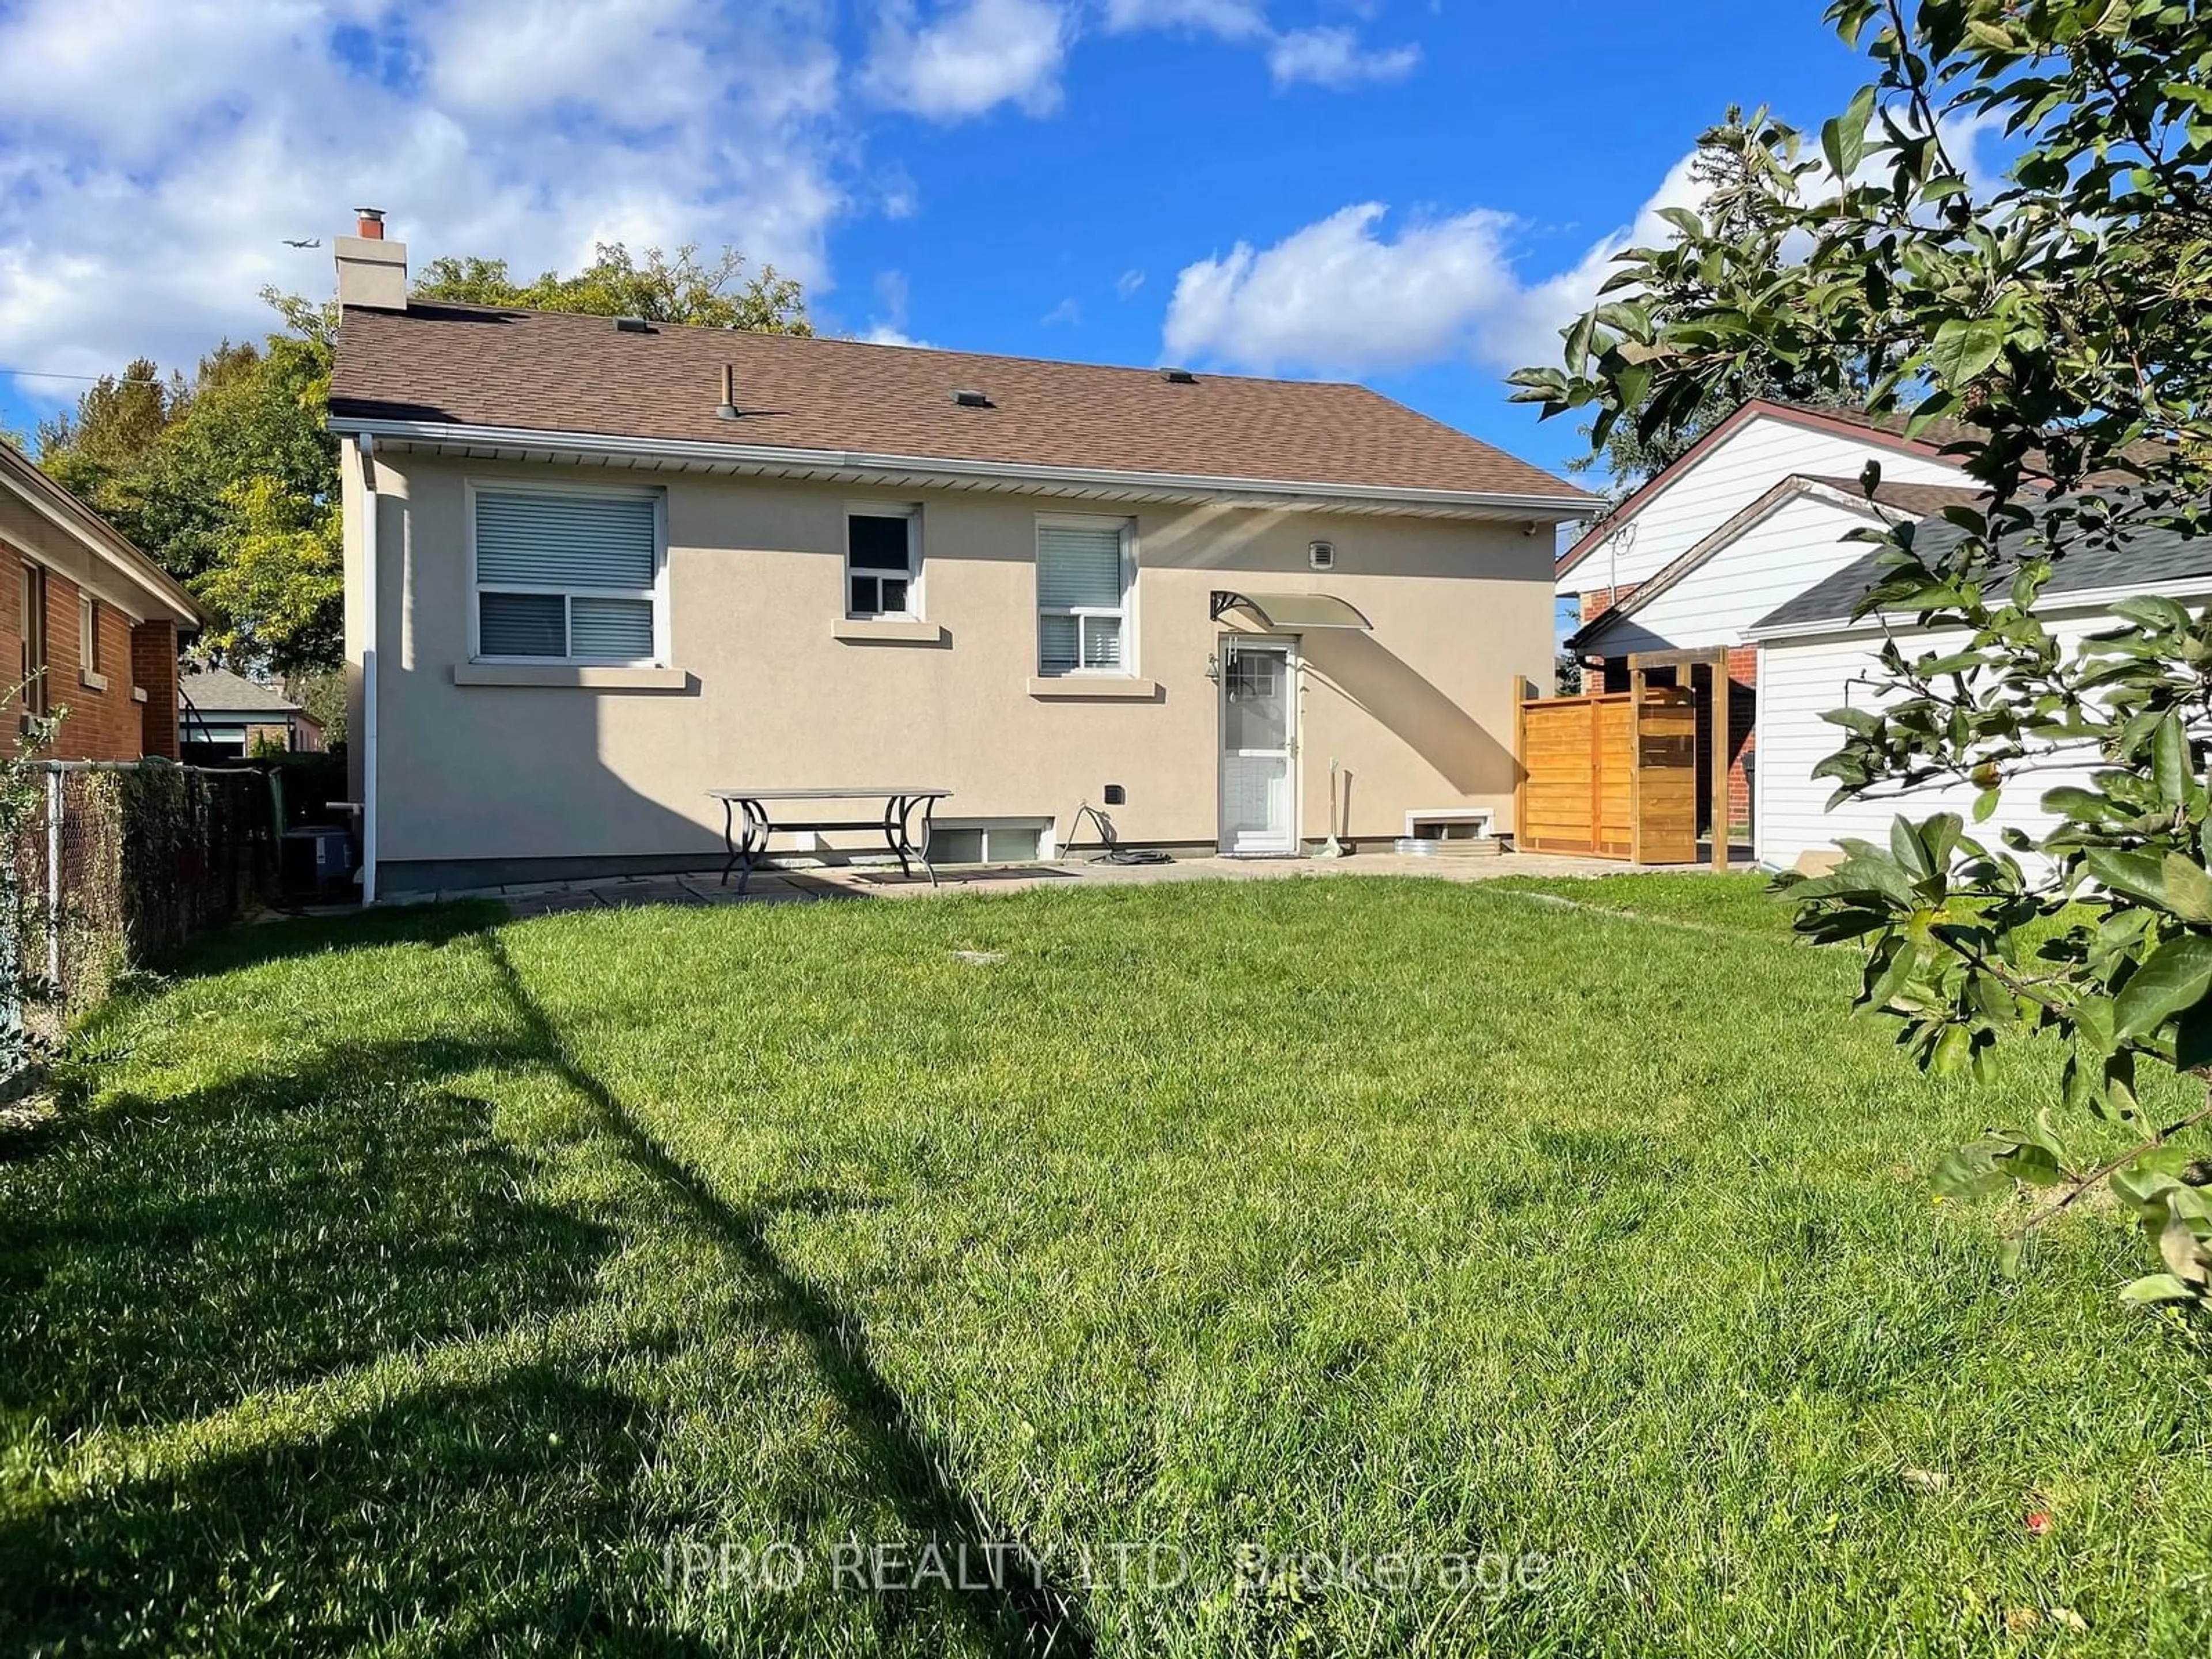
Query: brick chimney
point(372, 271)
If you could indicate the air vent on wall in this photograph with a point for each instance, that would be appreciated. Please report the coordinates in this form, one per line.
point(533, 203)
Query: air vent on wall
point(1322, 556)
point(967, 398)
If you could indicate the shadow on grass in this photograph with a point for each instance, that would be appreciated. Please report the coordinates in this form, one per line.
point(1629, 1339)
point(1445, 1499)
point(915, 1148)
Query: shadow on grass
point(164, 1258)
point(265, 1232)
point(1026, 1614)
point(252, 943)
point(482, 1511)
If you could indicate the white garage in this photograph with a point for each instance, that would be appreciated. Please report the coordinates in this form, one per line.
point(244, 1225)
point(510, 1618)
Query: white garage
point(1813, 658)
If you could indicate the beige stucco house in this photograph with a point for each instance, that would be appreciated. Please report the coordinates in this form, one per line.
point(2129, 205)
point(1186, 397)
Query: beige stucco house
point(597, 569)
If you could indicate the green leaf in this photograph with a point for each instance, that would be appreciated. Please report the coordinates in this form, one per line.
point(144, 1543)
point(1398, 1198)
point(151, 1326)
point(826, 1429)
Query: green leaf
point(2192, 1040)
point(1932, 409)
point(1952, 1051)
point(2138, 875)
point(1906, 847)
point(2174, 979)
point(2169, 763)
point(1889, 970)
point(1970, 1171)
point(2152, 612)
point(2035, 1165)
point(1844, 137)
point(1964, 350)
point(2188, 888)
point(2154, 1289)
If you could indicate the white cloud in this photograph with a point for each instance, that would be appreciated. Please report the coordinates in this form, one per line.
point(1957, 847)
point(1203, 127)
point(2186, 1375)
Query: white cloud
point(1232, 19)
point(1128, 282)
point(1342, 297)
point(146, 221)
point(1334, 57)
point(1335, 297)
point(888, 325)
point(1068, 311)
point(884, 334)
point(969, 58)
point(1326, 56)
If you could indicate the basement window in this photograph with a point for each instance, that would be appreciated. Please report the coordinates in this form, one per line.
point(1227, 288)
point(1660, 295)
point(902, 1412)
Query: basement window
point(1450, 824)
point(571, 574)
point(991, 840)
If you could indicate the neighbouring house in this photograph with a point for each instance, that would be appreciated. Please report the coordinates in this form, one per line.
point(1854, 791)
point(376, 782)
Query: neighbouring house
point(224, 715)
point(88, 622)
point(1754, 514)
point(1814, 657)
point(596, 567)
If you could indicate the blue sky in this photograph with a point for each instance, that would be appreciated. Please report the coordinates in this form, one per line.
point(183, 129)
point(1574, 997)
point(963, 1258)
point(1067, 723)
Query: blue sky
point(1410, 193)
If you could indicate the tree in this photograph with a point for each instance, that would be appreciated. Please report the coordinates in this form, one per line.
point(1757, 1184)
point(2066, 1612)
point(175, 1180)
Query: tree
point(1731, 166)
point(229, 478)
point(98, 452)
point(661, 290)
point(2060, 316)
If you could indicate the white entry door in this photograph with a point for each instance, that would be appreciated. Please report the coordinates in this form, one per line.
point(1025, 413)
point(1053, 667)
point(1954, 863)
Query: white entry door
point(1259, 746)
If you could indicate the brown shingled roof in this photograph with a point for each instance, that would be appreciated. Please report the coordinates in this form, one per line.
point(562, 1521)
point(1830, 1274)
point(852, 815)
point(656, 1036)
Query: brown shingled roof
point(1918, 500)
point(553, 372)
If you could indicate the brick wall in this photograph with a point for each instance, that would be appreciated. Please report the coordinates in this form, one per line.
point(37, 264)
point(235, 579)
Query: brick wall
point(154, 666)
point(1599, 601)
point(102, 723)
point(1743, 740)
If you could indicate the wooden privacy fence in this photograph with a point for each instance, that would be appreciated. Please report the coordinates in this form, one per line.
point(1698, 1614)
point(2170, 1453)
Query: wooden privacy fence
point(1612, 776)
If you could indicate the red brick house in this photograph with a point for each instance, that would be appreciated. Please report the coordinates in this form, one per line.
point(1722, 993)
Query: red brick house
point(88, 622)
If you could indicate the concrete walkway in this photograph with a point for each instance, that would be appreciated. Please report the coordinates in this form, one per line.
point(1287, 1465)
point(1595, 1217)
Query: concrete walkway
point(773, 886)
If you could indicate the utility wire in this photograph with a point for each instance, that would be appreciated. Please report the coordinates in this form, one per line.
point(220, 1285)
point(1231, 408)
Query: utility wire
point(50, 375)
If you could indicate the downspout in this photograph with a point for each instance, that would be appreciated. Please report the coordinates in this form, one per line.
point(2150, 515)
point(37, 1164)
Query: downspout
point(365, 446)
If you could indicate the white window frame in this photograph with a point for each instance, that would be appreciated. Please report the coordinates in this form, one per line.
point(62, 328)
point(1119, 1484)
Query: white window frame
point(88, 634)
point(658, 593)
point(1044, 829)
point(1485, 818)
point(1126, 610)
point(911, 512)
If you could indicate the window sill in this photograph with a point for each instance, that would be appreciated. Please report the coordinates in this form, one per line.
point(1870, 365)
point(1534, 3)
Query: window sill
point(93, 682)
point(887, 630)
point(571, 675)
point(1093, 688)
point(138, 694)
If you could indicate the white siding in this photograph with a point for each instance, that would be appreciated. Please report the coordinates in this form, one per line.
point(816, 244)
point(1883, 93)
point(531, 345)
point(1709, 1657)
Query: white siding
point(1799, 680)
point(1726, 479)
point(1798, 544)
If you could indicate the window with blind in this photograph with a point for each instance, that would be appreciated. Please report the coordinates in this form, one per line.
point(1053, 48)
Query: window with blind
point(1082, 597)
point(565, 576)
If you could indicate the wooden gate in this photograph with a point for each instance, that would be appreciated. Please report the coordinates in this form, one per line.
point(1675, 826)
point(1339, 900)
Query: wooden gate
point(1610, 776)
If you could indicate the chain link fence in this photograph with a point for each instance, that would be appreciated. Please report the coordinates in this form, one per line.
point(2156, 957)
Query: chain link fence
point(128, 861)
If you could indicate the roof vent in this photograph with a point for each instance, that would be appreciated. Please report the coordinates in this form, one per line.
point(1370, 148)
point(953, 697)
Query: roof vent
point(967, 398)
point(727, 409)
point(633, 326)
point(1178, 377)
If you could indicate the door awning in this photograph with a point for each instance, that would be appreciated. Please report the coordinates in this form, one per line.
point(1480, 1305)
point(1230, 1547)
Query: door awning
point(1292, 613)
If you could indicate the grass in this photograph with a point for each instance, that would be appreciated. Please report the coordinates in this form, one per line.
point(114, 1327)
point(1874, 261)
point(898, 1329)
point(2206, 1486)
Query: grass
point(434, 1284)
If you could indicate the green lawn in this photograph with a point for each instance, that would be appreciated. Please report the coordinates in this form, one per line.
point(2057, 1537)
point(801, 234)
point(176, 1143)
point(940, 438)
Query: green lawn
point(433, 1286)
